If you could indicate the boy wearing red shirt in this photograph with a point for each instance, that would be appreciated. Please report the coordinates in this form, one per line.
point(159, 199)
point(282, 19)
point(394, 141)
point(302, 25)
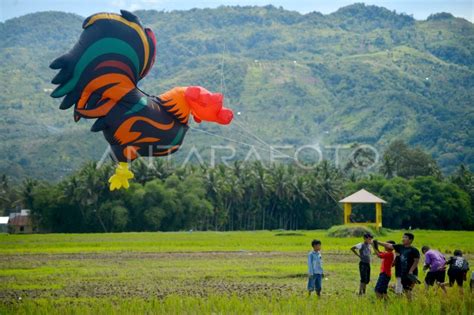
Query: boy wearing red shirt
point(385, 270)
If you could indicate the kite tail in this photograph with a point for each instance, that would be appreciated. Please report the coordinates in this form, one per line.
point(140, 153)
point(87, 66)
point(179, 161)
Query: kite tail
point(113, 53)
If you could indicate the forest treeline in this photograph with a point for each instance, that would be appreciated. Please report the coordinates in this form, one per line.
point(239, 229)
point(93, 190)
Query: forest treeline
point(247, 196)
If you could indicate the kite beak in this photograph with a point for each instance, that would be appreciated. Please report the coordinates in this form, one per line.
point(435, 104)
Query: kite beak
point(197, 119)
point(225, 116)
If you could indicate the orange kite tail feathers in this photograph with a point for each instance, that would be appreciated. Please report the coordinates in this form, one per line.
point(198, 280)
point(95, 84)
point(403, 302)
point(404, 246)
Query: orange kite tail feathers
point(120, 178)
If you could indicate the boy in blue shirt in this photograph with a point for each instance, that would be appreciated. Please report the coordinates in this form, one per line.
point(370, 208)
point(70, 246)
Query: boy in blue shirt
point(315, 268)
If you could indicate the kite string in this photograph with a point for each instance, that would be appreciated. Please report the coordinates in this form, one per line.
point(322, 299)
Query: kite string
point(228, 139)
point(242, 135)
point(258, 139)
point(224, 91)
point(247, 130)
point(223, 88)
point(266, 150)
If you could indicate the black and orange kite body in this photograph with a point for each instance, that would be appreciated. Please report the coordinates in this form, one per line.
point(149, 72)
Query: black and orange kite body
point(100, 75)
point(145, 129)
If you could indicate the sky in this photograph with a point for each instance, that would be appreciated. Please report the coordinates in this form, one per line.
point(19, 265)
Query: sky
point(420, 9)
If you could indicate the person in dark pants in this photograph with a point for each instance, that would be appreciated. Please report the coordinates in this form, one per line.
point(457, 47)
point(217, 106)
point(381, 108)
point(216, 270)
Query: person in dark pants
point(364, 252)
point(409, 259)
point(387, 257)
point(436, 263)
point(458, 268)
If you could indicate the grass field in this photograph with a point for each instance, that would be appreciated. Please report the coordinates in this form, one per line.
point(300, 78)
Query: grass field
point(203, 272)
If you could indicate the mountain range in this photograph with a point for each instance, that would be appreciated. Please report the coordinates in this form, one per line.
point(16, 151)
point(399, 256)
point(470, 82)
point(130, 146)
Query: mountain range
point(361, 75)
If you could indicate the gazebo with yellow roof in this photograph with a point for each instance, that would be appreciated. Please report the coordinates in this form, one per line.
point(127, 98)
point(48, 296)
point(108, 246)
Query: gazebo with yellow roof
point(363, 196)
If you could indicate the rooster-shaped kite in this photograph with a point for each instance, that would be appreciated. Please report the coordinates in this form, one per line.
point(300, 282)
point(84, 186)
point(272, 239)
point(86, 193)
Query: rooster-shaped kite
point(100, 75)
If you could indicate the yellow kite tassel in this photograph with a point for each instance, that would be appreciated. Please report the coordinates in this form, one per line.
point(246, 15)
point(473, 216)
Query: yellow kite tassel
point(121, 177)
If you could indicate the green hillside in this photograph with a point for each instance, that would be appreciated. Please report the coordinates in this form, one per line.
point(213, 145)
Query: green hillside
point(363, 74)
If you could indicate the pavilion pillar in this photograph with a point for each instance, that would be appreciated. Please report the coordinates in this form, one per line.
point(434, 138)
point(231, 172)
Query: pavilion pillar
point(347, 213)
point(378, 215)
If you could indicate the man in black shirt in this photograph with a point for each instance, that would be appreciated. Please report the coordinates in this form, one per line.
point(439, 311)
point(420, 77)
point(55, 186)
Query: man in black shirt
point(409, 259)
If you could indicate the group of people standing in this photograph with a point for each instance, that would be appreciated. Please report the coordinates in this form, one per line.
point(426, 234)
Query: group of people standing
point(404, 258)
